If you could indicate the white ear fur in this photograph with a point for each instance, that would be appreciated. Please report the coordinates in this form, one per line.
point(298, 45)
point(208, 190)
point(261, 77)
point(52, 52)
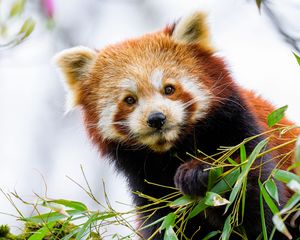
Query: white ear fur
point(192, 29)
point(75, 65)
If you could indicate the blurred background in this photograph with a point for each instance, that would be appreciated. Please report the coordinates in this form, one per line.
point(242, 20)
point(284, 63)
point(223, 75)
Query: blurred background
point(40, 145)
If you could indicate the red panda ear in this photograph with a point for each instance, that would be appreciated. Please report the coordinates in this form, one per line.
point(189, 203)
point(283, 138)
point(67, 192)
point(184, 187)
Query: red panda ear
point(75, 64)
point(192, 29)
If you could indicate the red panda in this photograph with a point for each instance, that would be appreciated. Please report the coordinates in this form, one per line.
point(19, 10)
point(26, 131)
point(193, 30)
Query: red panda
point(148, 101)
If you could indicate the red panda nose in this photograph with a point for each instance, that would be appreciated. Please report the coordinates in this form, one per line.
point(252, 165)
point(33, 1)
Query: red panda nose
point(156, 120)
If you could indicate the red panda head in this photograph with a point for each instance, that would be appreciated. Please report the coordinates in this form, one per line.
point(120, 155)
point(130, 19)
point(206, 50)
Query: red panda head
point(145, 92)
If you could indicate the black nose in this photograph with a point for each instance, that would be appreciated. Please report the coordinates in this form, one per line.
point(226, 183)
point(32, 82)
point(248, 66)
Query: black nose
point(156, 120)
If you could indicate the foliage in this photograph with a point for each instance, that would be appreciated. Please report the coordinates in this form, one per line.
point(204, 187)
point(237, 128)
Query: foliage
point(297, 58)
point(9, 39)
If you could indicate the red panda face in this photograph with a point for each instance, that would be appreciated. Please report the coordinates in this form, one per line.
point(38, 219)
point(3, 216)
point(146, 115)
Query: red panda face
point(146, 92)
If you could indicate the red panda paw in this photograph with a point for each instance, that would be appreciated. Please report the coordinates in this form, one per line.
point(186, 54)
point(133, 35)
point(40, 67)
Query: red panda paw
point(191, 179)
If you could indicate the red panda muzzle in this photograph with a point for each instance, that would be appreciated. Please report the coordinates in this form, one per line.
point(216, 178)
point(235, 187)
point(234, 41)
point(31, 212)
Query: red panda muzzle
point(156, 120)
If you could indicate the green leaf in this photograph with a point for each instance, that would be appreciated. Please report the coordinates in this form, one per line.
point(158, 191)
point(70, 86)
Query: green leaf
point(71, 234)
point(214, 199)
point(86, 227)
point(262, 216)
point(169, 221)
point(71, 204)
point(17, 8)
point(227, 182)
point(243, 154)
point(280, 226)
point(244, 193)
point(182, 201)
point(170, 234)
point(242, 177)
point(51, 217)
point(272, 189)
point(213, 176)
point(226, 229)
point(200, 207)
point(295, 199)
point(296, 164)
point(285, 176)
point(231, 161)
point(56, 207)
point(276, 116)
point(268, 199)
point(211, 234)
point(26, 29)
point(42, 232)
point(297, 58)
point(153, 223)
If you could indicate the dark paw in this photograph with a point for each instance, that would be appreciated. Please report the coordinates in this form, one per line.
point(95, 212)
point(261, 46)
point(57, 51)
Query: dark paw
point(190, 178)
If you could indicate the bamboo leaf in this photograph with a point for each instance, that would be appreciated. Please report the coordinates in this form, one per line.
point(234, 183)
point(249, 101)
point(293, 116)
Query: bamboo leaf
point(200, 207)
point(268, 199)
point(56, 207)
point(285, 176)
point(169, 221)
point(182, 201)
point(214, 199)
point(153, 223)
point(71, 204)
point(295, 199)
point(213, 176)
point(276, 116)
point(26, 29)
point(262, 216)
point(211, 234)
point(297, 58)
point(243, 154)
point(170, 234)
point(226, 229)
point(271, 188)
point(42, 232)
point(86, 227)
point(231, 161)
point(17, 8)
point(71, 234)
point(280, 226)
point(227, 182)
point(244, 191)
point(242, 177)
point(51, 217)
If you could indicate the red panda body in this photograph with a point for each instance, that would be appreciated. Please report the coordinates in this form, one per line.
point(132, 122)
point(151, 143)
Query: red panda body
point(149, 101)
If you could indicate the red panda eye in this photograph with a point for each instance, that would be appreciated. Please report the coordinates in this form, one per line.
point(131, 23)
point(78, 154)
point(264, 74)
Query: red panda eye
point(130, 100)
point(169, 90)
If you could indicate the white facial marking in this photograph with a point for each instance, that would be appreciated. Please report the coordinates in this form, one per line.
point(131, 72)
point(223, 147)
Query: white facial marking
point(128, 84)
point(201, 96)
point(106, 121)
point(156, 78)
